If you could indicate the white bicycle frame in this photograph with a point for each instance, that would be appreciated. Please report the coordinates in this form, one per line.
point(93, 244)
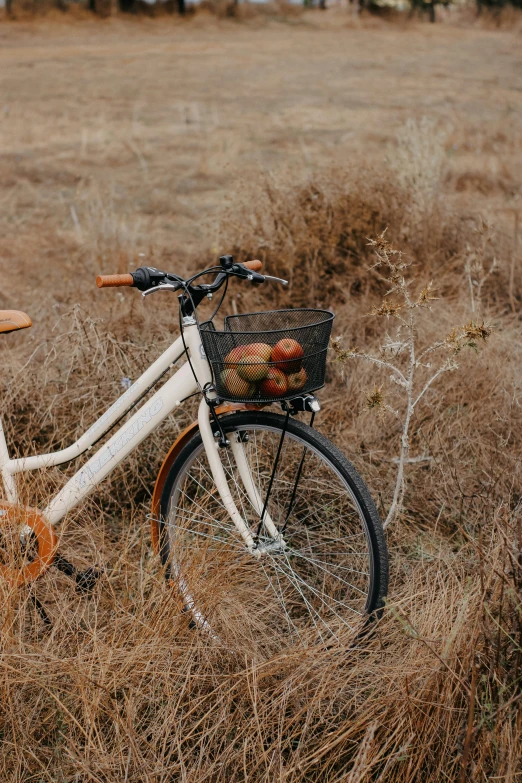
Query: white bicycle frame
point(169, 397)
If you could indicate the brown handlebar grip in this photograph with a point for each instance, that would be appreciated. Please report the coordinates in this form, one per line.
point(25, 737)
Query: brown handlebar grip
point(111, 281)
point(255, 265)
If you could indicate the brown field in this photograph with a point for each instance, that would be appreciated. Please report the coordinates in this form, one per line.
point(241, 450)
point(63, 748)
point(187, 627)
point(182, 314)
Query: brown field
point(294, 139)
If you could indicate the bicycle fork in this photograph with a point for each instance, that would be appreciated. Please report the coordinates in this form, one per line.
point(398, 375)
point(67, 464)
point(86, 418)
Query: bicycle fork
point(201, 369)
point(213, 450)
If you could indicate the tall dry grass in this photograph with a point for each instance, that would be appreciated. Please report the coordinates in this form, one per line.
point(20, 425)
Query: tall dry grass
point(121, 689)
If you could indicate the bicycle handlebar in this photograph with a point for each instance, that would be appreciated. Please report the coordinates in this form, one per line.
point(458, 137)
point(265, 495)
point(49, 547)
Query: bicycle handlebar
point(254, 265)
point(148, 279)
point(134, 279)
point(111, 281)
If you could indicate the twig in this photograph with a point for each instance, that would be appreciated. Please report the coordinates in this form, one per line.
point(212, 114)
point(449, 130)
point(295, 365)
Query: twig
point(469, 728)
point(513, 262)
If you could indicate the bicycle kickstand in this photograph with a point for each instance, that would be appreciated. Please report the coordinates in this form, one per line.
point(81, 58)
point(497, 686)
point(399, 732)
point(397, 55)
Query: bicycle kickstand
point(85, 583)
point(38, 605)
point(85, 580)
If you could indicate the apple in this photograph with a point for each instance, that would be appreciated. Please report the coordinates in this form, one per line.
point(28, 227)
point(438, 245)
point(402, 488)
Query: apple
point(232, 358)
point(275, 384)
point(297, 380)
point(258, 349)
point(287, 355)
point(236, 385)
point(252, 367)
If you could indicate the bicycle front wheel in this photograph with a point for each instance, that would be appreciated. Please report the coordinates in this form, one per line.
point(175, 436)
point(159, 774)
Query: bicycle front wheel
point(321, 585)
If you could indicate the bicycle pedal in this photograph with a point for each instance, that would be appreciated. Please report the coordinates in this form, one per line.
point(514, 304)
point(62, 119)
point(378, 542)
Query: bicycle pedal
point(86, 580)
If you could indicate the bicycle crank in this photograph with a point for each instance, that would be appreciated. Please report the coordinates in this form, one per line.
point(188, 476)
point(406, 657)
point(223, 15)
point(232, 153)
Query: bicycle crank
point(27, 543)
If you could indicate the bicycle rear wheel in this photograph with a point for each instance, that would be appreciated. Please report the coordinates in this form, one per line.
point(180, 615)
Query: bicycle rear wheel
point(320, 587)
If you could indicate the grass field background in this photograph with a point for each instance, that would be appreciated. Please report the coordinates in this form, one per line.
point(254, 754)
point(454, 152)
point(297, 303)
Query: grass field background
point(292, 139)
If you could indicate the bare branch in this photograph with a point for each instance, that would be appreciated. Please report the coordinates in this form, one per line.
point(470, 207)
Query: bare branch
point(448, 366)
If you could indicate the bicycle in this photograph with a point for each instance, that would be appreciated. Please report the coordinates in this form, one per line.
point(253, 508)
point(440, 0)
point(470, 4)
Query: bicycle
point(263, 526)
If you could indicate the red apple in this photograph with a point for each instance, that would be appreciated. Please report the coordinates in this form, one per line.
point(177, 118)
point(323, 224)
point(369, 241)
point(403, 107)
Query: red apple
point(275, 384)
point(297, 380)
point(236, 385)
point(252, 367)
point(258, 349)
point(232, 358)
point(287, 355)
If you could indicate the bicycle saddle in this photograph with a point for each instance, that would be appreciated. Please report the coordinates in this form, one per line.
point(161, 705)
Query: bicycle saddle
point(11, 320)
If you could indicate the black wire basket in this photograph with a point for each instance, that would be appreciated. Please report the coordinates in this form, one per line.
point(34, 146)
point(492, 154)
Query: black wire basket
point(265, 357)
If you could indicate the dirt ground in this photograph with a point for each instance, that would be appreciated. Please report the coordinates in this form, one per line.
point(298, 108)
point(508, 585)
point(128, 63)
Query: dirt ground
point(159, 123)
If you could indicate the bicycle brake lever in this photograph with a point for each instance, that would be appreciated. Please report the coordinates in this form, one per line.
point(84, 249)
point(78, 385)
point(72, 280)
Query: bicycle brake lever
point(276, 279)
point(161, 287)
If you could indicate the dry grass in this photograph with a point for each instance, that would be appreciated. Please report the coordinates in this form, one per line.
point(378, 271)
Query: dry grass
point(97, 171)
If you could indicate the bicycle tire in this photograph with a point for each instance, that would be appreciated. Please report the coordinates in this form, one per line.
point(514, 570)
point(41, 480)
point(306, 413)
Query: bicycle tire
point(186, 551)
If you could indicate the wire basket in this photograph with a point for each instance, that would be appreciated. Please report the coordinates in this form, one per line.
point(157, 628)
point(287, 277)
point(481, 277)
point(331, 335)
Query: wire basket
point(265, 357)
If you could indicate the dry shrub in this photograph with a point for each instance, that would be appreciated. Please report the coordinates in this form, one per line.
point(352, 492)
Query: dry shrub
point(121, 689)
point(314, 231)
point(417, 163)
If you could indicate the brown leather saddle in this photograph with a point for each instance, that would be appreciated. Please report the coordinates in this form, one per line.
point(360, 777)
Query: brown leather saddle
point(11, 320)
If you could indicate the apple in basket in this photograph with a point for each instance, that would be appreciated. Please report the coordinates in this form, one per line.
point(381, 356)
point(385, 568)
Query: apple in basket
point(258, 349)
point(297, 380)
point(252, 367)
point(287, 355)
point(232, 358)
point(275, 384)
point(236, 385)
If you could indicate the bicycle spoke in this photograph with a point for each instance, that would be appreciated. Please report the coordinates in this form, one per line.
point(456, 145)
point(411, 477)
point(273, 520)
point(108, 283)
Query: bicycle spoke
point(317, 585)
point(316, 564)
point(310, 607)
point(282, 601)
point(321, 598)
point(314, 560)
